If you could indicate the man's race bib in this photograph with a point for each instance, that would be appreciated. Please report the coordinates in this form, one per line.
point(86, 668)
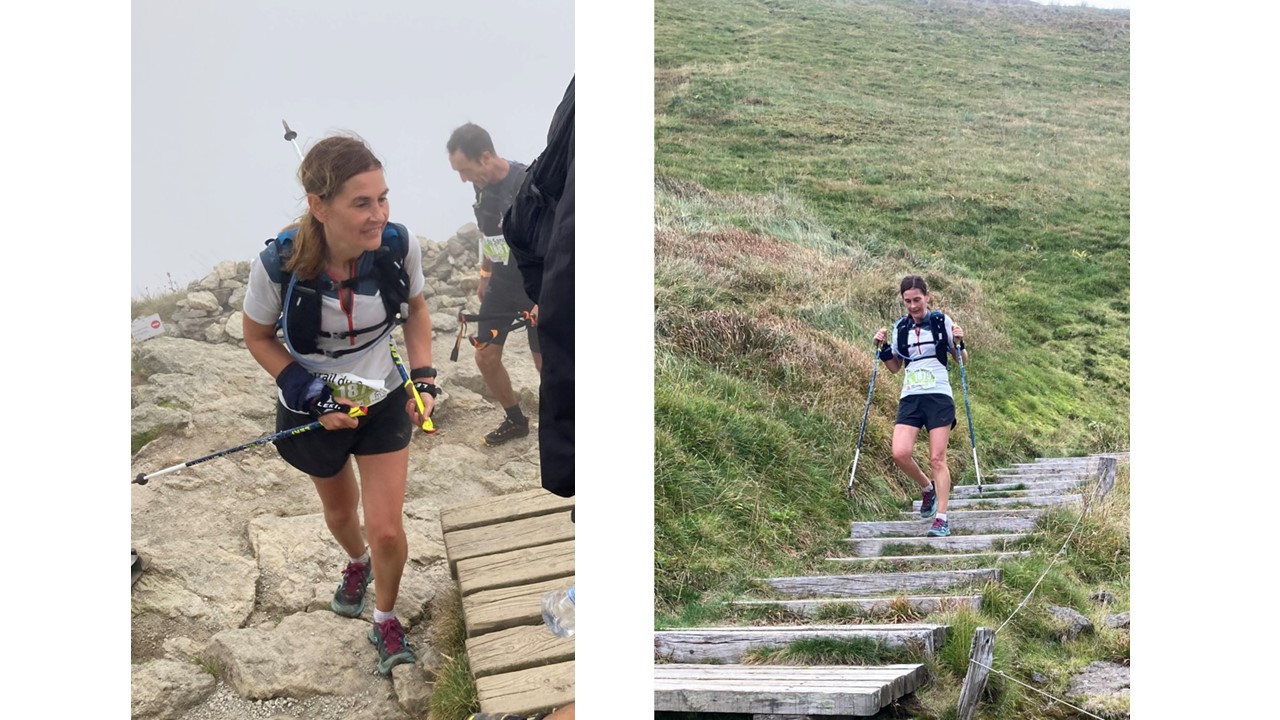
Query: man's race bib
point(495, 248)
point(361, 391)
point(919, 379)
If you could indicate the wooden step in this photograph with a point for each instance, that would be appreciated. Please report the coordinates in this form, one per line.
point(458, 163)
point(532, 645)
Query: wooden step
point(729, 644)
point(874, 547)
point(527, 691)
point(866, 606)
point(516, 567)
point(503, 508)
point(1013, 502)
point(517, 648)
point(919, 526)
point(877, 584)
point(841, 690)
point(1029, 487)
point(502, 608)
point(507, 536)
point(1031, 512)
point(994, 557)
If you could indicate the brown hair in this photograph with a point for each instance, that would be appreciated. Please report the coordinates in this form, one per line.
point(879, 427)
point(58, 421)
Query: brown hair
point(329, 164)
point(913, 281)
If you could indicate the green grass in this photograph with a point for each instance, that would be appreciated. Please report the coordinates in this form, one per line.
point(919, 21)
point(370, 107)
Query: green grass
point(454, 692)
point(807, 156)
point(833, 651)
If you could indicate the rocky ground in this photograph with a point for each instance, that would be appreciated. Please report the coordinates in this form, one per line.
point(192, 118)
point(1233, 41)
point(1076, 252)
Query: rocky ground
point(231, 617)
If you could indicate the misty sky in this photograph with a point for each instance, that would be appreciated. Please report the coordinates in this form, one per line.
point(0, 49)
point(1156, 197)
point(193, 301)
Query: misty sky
point(213, 177)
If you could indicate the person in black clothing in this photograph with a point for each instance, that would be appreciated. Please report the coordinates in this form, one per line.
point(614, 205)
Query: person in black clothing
point(501, 291)
point(539, 230)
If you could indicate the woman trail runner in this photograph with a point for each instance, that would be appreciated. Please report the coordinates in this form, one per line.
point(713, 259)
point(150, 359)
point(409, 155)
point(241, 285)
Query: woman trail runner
point(334, 269)
point(922, 341)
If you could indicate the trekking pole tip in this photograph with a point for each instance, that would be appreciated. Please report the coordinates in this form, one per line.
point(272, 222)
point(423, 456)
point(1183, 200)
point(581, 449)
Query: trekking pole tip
point(289, 134)
point(141, 479)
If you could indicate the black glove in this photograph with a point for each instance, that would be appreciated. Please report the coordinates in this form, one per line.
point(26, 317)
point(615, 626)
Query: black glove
point(886, 353)
point(299, 388)
point(325, 404)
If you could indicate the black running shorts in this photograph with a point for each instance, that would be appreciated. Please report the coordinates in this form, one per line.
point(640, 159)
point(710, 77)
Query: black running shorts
point(933, 410)
point(505, 296)
point(322, 453)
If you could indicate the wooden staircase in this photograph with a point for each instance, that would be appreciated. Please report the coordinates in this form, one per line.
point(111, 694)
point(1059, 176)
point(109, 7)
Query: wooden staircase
point(906, 571)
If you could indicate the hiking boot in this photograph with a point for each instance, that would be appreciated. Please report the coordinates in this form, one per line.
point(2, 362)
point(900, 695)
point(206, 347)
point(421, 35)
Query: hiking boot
point(393, 648)
point(507, 431)
point(348, 601)
point(928, 504)
point(940, 529)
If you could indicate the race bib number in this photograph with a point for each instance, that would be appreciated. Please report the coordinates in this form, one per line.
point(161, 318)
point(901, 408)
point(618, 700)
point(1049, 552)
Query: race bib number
point(919, 379)
point(361, 391)
point(495, 248)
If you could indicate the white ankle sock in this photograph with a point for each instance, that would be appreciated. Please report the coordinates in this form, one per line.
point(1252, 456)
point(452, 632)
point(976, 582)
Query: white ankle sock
point(381, 617)
point(363, 558)
point(942, 517)
point(929, 488)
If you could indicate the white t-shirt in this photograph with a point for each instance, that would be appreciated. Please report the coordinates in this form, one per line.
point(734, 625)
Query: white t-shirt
point(924, 374)
point(365, 377)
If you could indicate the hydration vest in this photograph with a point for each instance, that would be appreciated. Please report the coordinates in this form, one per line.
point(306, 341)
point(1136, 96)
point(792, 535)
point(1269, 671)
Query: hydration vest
point(937, 324)
point(300, 300)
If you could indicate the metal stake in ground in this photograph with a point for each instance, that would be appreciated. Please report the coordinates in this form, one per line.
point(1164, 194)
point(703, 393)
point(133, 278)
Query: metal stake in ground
point(972, 444)
point(289, 135)
point(875, 365)
point(143, 478)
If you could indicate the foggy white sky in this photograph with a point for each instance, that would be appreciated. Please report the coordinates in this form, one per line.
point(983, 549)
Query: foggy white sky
point(213, 177)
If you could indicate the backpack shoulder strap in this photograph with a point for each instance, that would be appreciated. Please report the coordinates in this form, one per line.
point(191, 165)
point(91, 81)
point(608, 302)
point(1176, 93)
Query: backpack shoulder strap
point(938, 324)
point(900, 337)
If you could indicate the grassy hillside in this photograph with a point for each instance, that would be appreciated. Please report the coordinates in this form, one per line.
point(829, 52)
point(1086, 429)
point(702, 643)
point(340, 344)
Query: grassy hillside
point(808, 155)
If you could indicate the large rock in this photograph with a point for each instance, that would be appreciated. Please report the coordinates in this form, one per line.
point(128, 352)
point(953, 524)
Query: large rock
point(235, 323)
point(195, 583)
point(299, 561)
point(1119, 621)
point(204, 300)
point(165, 689)
point(149, 419)
point(301, 565)
point(1074, 623)
point(1103, 688)
point(307, 654)
point(445, 323)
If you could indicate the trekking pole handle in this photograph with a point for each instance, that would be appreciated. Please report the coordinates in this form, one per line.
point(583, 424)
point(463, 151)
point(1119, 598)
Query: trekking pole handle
point(427, 425)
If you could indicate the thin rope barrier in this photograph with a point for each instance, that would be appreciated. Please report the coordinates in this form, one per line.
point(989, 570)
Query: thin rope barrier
point(1061, 552)
point(1060, 700)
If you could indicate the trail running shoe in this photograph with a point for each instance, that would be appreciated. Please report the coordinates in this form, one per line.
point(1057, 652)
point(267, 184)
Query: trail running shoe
point(940, 528)
point(928, 504)
point(393, 648)
point(507, 431)
point(348, 601)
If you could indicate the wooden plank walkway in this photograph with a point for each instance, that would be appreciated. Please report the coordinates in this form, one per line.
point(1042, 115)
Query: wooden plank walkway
point(506, 552)
point(730, 644)
point(771, 690)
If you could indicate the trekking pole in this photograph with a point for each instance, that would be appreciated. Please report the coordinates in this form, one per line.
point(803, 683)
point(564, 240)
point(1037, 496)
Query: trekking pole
point(143, 478)
point(875, 366)
point(289, 135)
point(964, 384)
point(427, 425)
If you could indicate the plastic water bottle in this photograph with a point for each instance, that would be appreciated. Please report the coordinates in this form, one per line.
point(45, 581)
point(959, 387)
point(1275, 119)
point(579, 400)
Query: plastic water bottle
point(557, 611)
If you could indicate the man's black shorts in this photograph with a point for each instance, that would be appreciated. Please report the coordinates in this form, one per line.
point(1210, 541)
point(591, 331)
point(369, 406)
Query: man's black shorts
point(505, 296)
point(933, 410)
point(323, 453)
